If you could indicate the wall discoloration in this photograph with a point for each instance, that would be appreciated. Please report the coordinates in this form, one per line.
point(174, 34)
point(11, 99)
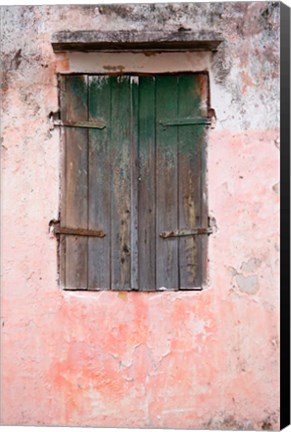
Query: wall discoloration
point(248, 284)
point(167, 359)
point(251, 265)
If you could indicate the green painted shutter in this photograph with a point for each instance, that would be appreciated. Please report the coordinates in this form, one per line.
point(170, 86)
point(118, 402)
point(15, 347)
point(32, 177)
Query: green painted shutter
point(172, 148)
point(137, 177)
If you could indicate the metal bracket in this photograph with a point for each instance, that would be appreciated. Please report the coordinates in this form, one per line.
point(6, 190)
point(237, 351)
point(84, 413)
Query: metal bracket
point(186, 232)
point(58, 230)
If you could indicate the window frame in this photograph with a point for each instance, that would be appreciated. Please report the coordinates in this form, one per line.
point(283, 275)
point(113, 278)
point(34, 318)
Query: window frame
point(203, 174)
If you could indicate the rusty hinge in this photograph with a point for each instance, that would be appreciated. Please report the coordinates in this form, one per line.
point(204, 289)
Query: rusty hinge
point(186, 232)
point(185, 121)
point(57, 230)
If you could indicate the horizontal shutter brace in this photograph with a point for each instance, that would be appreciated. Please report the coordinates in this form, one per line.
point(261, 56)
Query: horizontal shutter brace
point(187, 121)
point(92, 124)
point(99, 124)
point(57, 230)
point(186, 232)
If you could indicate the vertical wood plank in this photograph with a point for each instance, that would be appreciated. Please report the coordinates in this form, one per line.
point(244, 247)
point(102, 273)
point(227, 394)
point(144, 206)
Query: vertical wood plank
point(166, 178)
point(62, 239)
point(134, 96)
point(147, 185)
point(76, 184)
point(120, 148)
point(189, 181)
point(203, 90)
point(99, 184)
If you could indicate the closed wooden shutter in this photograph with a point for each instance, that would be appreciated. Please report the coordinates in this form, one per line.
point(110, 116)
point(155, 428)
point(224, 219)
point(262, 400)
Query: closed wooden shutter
point(138, 177)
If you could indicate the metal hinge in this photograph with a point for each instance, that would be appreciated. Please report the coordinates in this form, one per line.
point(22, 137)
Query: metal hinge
point(186, 232)
point(57, 230)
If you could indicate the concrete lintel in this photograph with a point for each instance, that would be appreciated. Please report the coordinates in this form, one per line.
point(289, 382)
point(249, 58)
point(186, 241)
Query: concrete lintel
point(135, 41)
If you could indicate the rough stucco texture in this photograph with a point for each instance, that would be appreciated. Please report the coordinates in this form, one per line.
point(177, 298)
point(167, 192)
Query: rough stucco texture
point(204, 359)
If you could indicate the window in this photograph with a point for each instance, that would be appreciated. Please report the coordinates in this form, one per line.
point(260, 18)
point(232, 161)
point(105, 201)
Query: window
point(133, 208)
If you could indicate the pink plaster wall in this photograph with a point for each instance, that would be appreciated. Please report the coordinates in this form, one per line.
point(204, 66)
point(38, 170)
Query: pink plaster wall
point(204, 359)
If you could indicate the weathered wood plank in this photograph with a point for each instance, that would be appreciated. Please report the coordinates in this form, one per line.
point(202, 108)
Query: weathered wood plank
point(166, 183)
point(76, 183)
point(189, 180)
point(63, 177)
point(147, 185)
point(134, 95)
point(99, 184)
point(203, 90)
point(120, 148)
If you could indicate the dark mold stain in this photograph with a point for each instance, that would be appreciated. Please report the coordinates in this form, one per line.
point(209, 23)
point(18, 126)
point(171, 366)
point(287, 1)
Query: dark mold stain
point(125, 249)
point(15, 62)
point(267, 425)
